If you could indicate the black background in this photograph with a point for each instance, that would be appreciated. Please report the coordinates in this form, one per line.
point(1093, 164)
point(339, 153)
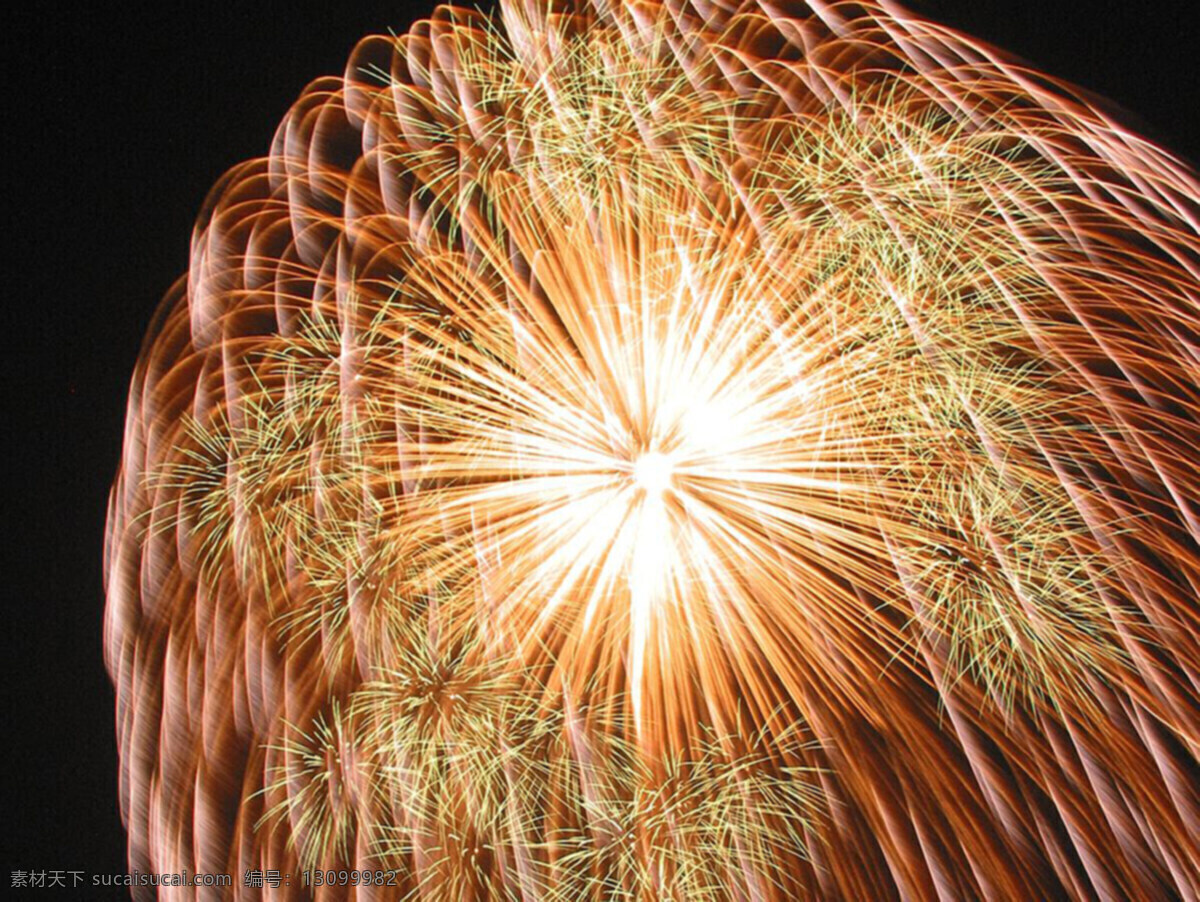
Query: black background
point(118, 121)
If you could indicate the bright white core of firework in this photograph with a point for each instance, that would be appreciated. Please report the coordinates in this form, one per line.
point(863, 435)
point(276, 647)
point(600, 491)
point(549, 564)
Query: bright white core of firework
point(652, 473)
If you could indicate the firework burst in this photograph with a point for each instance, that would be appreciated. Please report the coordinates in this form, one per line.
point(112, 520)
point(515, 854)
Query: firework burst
point(658, 452)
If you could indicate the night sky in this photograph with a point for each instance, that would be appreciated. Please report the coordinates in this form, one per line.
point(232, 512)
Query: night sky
point(122, 123)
